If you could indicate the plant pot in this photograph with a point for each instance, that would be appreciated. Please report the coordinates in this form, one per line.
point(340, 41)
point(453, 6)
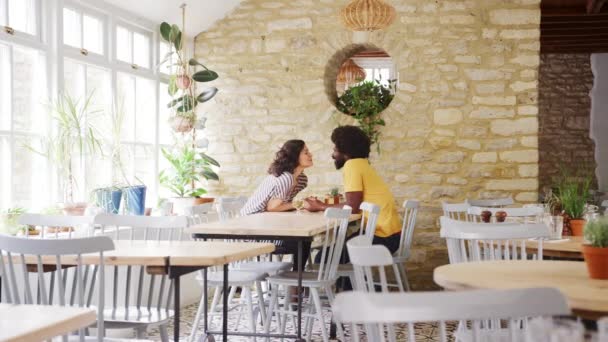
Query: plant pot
point(203, 200)
point(336, 199)
point(181, 203)
point(596, 259)
point(577, 227)
point(181, 124)
point(108, 199)
point(183, 81)
point(135, 199)
point(74, 209)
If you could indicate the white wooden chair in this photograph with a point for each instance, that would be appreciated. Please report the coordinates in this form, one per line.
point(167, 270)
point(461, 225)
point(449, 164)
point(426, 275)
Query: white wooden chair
point(72, 226)
point(198, 214)
point(456, 211)
point(316, 281)
point(469, 241)
point(35, 283)
point(494, 203)
point(410, 211)
point(527, 215)
point(602, 329)
point(474, 307)
point(151, 306)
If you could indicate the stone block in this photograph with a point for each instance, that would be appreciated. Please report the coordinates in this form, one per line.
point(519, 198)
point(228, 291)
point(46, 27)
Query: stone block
point(447, 116)
point(289, 24)
point(523, 156)
point(492, 113)
point(494, 100)
point(527, 197)
point(484, 74)
point(512, 17)
point(528, 170)
point(484, 157)
point(512, 184)
point(490, 87)
point(469, 144)
point(518, 34)
point(515, 127)
point(527, 110)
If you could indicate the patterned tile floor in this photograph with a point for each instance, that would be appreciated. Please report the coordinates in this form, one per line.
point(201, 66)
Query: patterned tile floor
point(424, 331)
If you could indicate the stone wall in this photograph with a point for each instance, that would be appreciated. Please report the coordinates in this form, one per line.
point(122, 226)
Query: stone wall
point(565, 81)
point(463, 122)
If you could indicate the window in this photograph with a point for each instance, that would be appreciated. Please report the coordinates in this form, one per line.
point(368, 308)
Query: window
point(83, 30)
point(20, 15)
point(23, 121)
point(379, 69)
point(134, 47)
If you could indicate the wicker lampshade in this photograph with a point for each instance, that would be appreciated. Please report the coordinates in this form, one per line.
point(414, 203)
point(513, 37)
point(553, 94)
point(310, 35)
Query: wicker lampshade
point(350, 73)
point(368, 15)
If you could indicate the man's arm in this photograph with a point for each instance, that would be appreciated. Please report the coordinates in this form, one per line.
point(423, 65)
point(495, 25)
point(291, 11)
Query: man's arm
point(353, 199)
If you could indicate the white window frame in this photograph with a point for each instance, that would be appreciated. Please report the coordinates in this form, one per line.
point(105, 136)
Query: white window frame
point(81, 53)
point(154, 48)
point(24, 37)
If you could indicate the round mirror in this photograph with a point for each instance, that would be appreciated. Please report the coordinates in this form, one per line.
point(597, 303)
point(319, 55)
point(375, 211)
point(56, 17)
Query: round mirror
point(366, 82)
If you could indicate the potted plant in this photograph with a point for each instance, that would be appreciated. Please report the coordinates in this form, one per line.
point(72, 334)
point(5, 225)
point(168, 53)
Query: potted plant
point(75, 137)
point(365, 102)
point(9, 222)
point(573, 193)
point(188, 168)
point(182, 82)
point(596, 251)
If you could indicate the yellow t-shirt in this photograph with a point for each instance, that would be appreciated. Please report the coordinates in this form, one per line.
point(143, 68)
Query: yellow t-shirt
point(360, 176)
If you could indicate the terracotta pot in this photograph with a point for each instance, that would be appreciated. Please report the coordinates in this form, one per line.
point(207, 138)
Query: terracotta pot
point(203, 200)
point(74, 209)
point(336, 199)
point(596, 259)
point(486, 216)
point(181, 124)
point(501, 216)
point(577, 226)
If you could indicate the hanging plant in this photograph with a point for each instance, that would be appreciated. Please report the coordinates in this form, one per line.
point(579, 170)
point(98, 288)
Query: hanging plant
point(183, 82)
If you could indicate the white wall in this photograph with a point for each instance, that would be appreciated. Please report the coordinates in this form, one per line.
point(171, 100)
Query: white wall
point(599, 116)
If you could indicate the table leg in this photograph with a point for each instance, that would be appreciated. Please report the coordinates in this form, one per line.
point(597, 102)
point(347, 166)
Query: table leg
point(300, 290)
point(176, 310)
point(225, 308)
point(205, 310)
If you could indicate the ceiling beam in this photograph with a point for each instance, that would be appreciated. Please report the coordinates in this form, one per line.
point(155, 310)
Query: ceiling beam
point(595, 6)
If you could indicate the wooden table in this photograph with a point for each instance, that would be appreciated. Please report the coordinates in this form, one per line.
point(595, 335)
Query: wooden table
point(299, 227)
point(41, 322)
point(587, 297)
point(571, 248)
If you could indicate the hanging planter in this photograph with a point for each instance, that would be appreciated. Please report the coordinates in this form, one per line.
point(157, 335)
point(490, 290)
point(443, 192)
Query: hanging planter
point(181, 124)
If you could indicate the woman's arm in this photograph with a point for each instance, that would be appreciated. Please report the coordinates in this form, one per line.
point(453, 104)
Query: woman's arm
point(277, 204)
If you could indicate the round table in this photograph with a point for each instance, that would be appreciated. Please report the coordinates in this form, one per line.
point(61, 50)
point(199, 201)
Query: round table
point(587, 297)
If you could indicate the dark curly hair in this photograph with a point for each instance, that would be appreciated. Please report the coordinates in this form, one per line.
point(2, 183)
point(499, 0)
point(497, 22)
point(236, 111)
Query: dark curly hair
point(287, 158)
point(351, 141)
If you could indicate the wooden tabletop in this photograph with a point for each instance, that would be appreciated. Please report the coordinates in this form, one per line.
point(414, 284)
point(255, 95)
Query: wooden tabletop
point(587, 297)
point(570, 247)
point(303, 224)
point(41, 322)
point(163, 253)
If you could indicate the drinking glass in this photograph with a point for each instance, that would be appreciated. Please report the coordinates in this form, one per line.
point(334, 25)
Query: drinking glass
point(298, 204)
point(555, 224)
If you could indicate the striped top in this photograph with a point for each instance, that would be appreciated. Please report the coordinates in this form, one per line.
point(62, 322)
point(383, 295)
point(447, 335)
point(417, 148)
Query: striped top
point(274, 187)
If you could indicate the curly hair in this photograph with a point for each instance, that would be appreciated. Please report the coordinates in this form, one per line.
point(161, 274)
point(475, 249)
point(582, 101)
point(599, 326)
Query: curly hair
point(287, 158)
point(351, 141)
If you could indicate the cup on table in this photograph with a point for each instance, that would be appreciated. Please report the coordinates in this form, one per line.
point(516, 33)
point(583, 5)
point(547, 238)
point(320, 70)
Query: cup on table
point(555, 224)
point(298, 203)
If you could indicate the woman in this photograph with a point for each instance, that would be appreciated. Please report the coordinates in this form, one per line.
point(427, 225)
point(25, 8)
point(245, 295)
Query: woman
point(285, 180)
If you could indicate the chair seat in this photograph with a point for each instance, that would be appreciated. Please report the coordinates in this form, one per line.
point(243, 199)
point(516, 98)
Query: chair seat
point(344, 270)
point(137, 316)
point(291, 279)
point(235, 278)
point(270, 267)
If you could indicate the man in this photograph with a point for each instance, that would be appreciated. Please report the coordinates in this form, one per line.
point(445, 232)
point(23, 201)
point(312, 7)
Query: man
point(362, 184)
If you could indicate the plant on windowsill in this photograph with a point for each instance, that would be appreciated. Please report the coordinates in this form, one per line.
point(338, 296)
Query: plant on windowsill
point(75, 138)
point(188, 168)
point(365, 102)
point(9, 222)
point(596, 251)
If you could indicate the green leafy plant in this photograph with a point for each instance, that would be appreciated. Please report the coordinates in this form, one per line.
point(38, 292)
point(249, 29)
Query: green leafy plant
point(365, 102)
point(596, 232)
point(182, 81)
point(9, 220)
point(573, 193)
point(75, 136)
point(334, 191)
point(188, 167)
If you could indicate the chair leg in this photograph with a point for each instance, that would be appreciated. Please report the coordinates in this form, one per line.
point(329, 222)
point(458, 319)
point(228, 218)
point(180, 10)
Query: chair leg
point(216, 297)
point(249, 302)
point(197, 318)
point(319, 312)
point(261, 304)
point(274, 297)
point(330, 298)
point(140, 332)
point(164, 335)
point(406, 283)
point(397, 278)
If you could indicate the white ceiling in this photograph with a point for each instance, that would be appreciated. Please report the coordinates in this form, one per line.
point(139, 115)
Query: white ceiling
point(200, 14)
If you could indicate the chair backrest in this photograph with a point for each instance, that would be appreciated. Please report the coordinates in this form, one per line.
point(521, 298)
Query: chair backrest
point(494, 202)
point(199, 213)
point(367, 259)
point(410, 210)
point(456, 211)
point(369, 218)
point(333, 243)
point(43, 277)
point(58, 225)
point(473, 308)
point(469, 241)
point(230, 207)
point(528, 214)
point(153, 227)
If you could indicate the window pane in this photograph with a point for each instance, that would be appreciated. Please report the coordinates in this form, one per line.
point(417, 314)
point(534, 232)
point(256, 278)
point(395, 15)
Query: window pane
point(141, 50)
point(3, 19)
point(5, 172)
point(165, 48)
point(93, 34)
point(145, 171)
point(123, 44)
point(29, 91)
point(99, 88)
point(126, 96)
point(22, 15)
point(5, 88)
point(71, 28)
point(146, 111)
point(74, 78)
point(165, 132)
point(99, 171)
point(30, 175)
